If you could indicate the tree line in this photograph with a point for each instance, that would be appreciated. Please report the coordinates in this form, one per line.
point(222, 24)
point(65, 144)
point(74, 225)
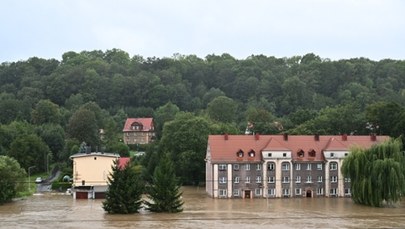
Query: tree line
point(50, 108)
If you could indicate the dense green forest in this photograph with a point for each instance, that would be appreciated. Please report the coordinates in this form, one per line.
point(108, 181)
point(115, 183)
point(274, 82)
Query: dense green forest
point(50, 107)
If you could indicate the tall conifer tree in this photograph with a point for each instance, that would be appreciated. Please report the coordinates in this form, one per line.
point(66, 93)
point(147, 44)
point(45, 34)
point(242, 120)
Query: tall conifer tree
point(164, 193)
point(124, 195)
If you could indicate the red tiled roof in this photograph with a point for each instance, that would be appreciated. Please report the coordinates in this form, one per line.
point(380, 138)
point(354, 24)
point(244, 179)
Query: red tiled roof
point(225, 150)
point(147, 124)
point(123, 161)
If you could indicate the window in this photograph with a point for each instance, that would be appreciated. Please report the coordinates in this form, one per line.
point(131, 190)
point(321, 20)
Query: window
point(258, 191)
point(297, 166)
point(309, 179)
point(258, 179)
point(237, 179)
point(222, 180)
point(236, 192)
point(309, 166)
point(271, 192)
point(319, 166)
point(269, 154)
point(297, 191)
point(251, 153)
point(270, 166)
point(285, 166)
point(333, 192)
point(247, 180)
point(286, 191)
point(300, 153)
point(239, 153)
point(222, 167)
point(333, 179)
point(298, 179)
point(312, 153)
point(347, 180)
point(319, 191)
point(347, 192)
point(284, 154)
point(332, 155)
point(258, 166)
point(247, 166)
point(271, 180)
point(222, 192)
point(286, 180)
point(333, 166)
point(346, 154)
point(236, 167)
point(320, 179)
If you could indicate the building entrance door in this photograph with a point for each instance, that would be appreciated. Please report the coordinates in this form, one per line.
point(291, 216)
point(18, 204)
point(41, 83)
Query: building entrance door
point(309, 193)
point(247, 194)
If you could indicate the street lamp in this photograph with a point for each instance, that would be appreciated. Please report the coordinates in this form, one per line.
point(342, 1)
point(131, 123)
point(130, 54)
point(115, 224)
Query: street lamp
point(29, 177)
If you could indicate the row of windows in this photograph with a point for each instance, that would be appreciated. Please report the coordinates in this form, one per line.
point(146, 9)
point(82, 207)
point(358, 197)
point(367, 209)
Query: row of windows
point(222, 167)
point(271, 192)
point(284, 166)
point(286, 179)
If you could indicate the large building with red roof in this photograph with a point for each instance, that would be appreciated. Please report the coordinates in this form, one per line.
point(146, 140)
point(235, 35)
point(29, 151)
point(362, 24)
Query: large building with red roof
point(271, 166)
point(138, 131)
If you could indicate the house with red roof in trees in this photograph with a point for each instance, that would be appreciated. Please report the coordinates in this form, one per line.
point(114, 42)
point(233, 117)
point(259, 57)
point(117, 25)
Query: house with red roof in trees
point(138, 131)
point(272, 166)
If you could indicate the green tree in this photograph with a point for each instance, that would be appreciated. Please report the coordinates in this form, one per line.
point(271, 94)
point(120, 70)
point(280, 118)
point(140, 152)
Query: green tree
point(83, 126)
point(383, 117)
point(164, 114)
point(222, 109)
point(54, 136)
point(11, 176)
point(184, 134)
point(46, 112)
point(30, 150)
point(125, 189)
point(377, 174)
point(164, 192)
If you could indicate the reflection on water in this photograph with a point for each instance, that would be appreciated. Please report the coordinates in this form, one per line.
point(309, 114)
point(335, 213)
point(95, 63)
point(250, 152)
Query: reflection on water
point(200, 211)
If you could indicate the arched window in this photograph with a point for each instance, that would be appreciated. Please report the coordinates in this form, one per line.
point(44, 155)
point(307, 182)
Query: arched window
point(239, 153)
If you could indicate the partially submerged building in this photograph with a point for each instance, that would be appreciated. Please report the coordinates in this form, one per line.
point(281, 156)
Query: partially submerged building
point(271, 166)
point(91, 172)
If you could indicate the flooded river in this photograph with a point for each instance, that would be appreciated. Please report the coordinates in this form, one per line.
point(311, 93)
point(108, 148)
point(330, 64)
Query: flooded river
point(200, 211)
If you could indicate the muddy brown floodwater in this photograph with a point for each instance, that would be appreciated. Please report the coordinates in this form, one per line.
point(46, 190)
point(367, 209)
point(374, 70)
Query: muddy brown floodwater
point(200, 211)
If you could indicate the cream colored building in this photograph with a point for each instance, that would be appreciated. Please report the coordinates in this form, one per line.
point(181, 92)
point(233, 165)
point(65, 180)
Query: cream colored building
point(90, 174)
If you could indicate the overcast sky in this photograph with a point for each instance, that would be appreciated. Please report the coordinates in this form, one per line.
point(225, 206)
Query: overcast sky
point(335, 29)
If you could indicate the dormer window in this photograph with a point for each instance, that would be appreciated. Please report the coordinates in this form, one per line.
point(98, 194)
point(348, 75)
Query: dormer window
point(239, 153)
point(312, 153)
point(300, 153)
point(136, 126)
point(251, 153)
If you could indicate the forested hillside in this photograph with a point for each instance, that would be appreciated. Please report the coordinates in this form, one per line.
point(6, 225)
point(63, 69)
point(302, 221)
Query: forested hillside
point(49, 107)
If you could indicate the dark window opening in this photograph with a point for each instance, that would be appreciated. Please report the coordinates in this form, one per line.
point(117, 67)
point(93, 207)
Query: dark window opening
point(239, 153)
point(312, 153)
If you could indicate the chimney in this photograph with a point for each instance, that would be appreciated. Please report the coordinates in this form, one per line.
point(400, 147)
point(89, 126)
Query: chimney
point(373, 137)
point(285, 135)
point(316, 137)
point(226, 137)
point(344, 137)
point(257, 137)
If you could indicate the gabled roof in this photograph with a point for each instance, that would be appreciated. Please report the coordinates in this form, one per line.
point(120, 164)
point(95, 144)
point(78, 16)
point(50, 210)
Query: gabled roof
point(225, 147)
point(147, 124)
